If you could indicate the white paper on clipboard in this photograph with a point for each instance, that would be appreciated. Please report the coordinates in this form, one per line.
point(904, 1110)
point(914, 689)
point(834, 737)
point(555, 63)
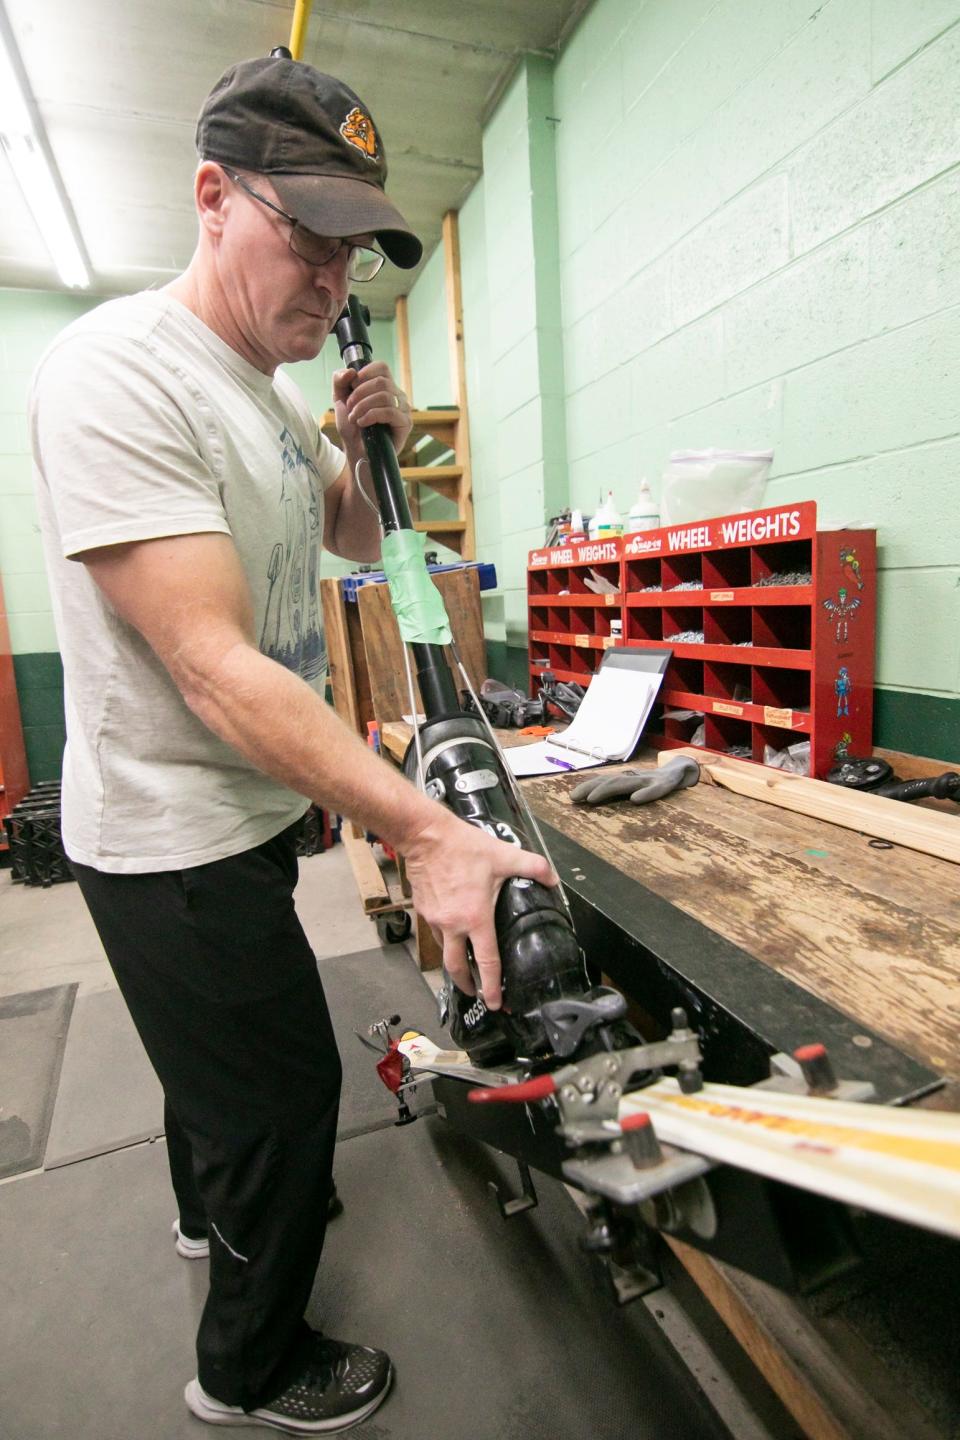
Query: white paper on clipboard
point(609, 722)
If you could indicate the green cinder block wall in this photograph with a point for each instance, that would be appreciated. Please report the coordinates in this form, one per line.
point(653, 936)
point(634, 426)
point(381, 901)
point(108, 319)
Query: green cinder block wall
point(29, 321)
point(770, 256)
point(757, 232)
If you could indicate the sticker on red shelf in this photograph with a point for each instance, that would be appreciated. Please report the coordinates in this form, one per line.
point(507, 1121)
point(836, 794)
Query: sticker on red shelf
point(721, 707)
point(841, 611)
point(767, 525)
point(719, 595)
point(782, 718)
point(850, 563)
point(598, 551)
point(581, 641)
point(610, 599)
point(644, 545)
point(609, 641)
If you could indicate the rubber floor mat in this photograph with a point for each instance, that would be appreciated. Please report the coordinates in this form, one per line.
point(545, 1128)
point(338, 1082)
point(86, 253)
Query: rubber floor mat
point(33, 1034)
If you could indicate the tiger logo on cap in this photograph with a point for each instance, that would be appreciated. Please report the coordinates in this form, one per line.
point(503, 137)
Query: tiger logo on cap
point(358, 131)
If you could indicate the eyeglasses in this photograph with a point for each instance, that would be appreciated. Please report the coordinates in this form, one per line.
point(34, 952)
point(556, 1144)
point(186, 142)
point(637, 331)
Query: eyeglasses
point(362, 263)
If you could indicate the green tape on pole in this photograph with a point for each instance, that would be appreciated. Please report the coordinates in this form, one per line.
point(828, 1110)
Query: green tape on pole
point(417, 603)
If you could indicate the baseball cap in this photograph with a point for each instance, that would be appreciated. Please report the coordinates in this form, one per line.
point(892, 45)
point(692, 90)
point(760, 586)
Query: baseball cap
point(317, 142)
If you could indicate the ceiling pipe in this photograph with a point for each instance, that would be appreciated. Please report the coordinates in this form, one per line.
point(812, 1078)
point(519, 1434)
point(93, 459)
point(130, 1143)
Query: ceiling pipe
point(298, 30)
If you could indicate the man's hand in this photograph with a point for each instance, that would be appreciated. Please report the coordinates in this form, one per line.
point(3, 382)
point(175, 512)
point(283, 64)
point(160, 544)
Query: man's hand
point(369, 397)
point(456, 871)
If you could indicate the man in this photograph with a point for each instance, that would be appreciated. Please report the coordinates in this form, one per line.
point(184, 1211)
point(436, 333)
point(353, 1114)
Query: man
point(187, 477)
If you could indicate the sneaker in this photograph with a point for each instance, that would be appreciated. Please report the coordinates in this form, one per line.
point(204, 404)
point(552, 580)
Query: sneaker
point(190, 1249)
point(341, 1386)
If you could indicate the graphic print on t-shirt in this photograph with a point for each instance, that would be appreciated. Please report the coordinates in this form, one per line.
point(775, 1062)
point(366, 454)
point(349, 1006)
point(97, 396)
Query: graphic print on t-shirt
point(292, 631)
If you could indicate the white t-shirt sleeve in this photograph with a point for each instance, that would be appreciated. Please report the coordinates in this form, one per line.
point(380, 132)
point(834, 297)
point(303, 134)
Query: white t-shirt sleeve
point(121, 447)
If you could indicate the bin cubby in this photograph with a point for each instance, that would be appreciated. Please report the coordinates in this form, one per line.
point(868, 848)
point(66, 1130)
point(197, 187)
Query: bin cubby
point(777, 664)
point(579, 620)
point(681, 732)
point(782, 627)
point(642, 575)
point(728, 682)
point(684, 676)
point(727, 625)
point(678, 619)
point(776, 737)
point(727, 734)
point(643, 624)
point(580, 574)
point(784, 557)
point(726, 569)
point(538, 582)
point(676, 570)
point(781, 689)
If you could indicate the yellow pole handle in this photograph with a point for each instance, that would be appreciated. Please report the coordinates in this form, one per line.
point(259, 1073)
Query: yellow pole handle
point(298, 31)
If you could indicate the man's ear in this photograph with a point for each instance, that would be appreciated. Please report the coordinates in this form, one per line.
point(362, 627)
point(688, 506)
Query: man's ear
point(212, 196)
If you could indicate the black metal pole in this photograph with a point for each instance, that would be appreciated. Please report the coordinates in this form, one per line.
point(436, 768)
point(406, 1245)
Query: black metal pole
point(437, 686)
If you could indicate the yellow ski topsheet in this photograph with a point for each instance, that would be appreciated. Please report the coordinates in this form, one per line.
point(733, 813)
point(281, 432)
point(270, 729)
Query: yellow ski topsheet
point(899, 1162)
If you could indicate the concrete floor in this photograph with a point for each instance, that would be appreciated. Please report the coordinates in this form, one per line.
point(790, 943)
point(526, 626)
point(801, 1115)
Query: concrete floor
point(499, 1331)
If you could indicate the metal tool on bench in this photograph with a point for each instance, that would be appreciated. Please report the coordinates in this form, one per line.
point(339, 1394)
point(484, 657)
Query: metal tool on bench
point(642, 786)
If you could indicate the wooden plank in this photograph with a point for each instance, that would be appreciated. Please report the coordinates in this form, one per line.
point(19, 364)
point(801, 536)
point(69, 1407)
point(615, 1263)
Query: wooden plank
point(430, 450)
point(405, 369)
point(458, 375)
point(445, 479)
point(441, 527)
point(892, 820)
point(441, 423)
point(824, 1390)
point(339, 658)
point(374, 893)
point(396, 735)
point(383, 650)
point(872, 932)
point(405, 376)
point(429, 953)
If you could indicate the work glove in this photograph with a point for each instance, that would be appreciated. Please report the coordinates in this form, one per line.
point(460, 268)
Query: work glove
point(641, 785)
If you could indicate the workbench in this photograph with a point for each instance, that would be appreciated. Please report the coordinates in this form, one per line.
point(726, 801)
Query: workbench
point(790, 921)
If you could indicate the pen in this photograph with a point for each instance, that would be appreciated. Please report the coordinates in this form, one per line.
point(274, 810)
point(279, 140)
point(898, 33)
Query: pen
point(561, 764)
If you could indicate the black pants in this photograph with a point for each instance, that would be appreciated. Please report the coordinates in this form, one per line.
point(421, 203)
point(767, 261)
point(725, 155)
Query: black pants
point(223, 988)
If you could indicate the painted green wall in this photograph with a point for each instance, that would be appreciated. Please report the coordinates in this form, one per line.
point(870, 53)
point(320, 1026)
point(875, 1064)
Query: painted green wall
point(769, 255)
point(29, 320)
point(427, 325)
point(757, 232)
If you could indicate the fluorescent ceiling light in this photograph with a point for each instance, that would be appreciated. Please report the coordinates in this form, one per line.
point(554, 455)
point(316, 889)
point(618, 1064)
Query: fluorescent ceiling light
point(24, 141)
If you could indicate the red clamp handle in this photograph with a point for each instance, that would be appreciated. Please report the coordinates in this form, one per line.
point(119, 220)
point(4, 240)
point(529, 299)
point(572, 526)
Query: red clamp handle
point(536, 1089)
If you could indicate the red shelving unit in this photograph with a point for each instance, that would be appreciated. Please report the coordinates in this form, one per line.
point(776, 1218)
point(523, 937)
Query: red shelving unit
point(777, 663)
point(570, 626)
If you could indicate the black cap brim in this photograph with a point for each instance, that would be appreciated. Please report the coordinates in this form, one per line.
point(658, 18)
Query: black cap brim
point(335, 205)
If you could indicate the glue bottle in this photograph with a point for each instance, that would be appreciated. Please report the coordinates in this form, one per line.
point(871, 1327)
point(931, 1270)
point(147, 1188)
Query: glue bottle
point(607, 520)
point(644, 514)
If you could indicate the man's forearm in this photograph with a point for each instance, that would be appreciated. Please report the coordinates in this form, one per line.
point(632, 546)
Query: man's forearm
point(276, 721)
point(356, 529)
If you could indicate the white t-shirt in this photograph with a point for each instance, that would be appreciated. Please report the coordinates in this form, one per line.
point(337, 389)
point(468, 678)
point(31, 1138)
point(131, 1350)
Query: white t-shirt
point(144, 423)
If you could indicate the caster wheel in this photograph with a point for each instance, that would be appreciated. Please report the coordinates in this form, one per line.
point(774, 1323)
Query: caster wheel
point(394, 928)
